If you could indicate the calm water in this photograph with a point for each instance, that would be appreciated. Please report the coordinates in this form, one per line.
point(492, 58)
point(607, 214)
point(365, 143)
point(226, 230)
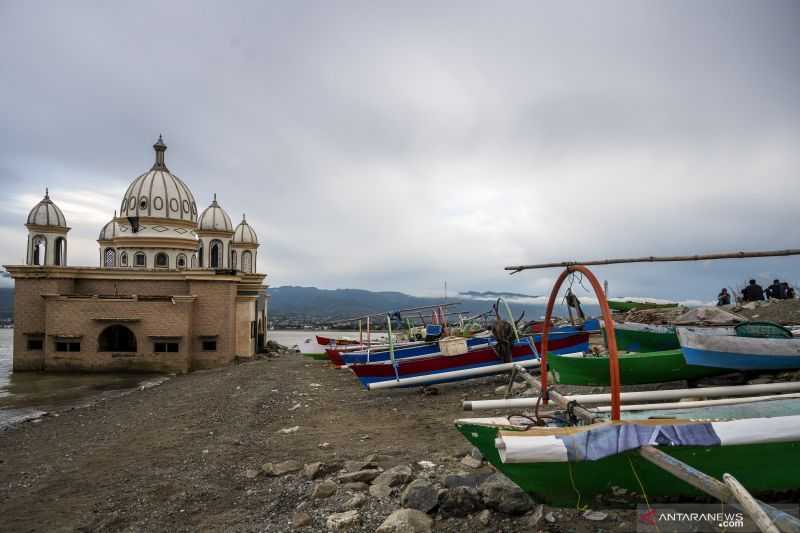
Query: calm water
point(26, 393)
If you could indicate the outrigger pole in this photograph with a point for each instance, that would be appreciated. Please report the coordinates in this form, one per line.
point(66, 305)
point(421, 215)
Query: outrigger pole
point(392, 311)
point(657, 259)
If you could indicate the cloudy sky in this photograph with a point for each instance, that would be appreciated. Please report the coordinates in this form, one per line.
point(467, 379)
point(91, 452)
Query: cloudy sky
point(396, 145)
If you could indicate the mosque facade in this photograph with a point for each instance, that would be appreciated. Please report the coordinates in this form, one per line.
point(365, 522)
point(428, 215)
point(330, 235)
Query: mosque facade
point(175, 290)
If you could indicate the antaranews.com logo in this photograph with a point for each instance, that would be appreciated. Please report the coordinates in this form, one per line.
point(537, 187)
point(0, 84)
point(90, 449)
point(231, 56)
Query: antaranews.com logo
point(698, 518)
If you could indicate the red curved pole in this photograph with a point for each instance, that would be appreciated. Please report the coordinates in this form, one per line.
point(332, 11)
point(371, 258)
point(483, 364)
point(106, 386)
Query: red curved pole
point(611, 340)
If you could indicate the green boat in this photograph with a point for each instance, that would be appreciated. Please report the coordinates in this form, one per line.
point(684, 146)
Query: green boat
point(634, 368)
point(624, 306)
point(763, 467)
point(635, 337)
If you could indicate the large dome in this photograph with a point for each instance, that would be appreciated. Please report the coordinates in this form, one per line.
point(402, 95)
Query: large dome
point(214, 218)
point(46, 213)
point(159, 193)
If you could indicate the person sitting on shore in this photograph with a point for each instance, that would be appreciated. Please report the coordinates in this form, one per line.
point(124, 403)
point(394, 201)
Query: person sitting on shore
point(753, 292)
point(723, 298)
point(777, 290)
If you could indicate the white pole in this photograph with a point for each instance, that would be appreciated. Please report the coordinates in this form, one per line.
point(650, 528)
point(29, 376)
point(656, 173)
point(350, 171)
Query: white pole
point(470, 372)
point(677, 394)
point(699, 403)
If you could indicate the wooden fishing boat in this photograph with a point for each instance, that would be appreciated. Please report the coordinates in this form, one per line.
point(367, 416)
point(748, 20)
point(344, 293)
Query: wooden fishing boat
point(624, 306)
point(761, 453)
point(634, 368)
point(334, 341)
point(748, 346)
point(635, 337)
point(440, 368)
point(565, 339)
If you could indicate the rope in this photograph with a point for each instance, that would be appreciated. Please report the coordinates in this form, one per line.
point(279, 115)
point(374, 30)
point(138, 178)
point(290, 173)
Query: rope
point(641, 486)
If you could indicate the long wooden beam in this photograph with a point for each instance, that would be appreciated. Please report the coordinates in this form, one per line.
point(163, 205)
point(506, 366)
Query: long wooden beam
point(714, 487)
point(657, 259)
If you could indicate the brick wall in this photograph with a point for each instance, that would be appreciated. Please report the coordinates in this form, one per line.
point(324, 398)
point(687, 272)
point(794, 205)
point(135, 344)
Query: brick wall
point(214, 314)
point(29, 317)
point(127, 287)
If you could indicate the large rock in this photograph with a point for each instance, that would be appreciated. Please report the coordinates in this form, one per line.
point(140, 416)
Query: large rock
point(356, 486)
point(365, 476)
point(460, 501)
point(343, 521)
point(326, 489)
point(406, 521)
point(395, 476)
point(314, 470)
point(420, 494)
point(361, 464)
point(502, 495)
point(471, 462)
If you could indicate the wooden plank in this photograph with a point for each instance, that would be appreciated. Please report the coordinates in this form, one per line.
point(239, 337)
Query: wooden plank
point(750, 505)
point(713, 487)
point(656, 259)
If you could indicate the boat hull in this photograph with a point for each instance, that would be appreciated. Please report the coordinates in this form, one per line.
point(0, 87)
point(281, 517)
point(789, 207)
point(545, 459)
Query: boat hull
point(634, 368)
point(439, 364)
point(645, 338)
point(763, 468)
point(739, 353)
point(625, 306)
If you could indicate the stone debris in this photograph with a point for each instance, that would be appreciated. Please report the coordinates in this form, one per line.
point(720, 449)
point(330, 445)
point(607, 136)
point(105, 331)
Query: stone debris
point(535, 517)
point(420, 494)
point(287, 467)
point(345, 521)
point(471, 462)
point(501, 494)
point(313, 470)
point(357, 500)
point(365, 476)
point(484, 517)
point(286, 431)
point(460, 501)
point(550, 517)
point(595, 516)
point(325, 489)
point(301, 520)
point(380, 491)
point(356, 486)
point(251, 473)
point(406, 521)
point(395, 476)
point(426, 464)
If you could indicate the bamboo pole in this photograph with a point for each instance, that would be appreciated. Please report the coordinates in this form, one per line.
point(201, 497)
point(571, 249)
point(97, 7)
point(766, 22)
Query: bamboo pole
point(656, 259)
point(453, 374)
point(750, 505)
point(713, 487)
point(698, 403)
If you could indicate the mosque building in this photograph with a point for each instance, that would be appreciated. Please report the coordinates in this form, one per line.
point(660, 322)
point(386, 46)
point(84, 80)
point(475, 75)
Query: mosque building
point(174, 291)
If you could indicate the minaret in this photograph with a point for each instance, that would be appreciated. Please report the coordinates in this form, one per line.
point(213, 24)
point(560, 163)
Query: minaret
point(47, 234)
point(160, 148)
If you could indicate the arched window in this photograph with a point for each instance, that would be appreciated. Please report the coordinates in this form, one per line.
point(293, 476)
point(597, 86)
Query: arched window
point(139, 259)
point(233, 259)
point(60, 249)
point(215, 254)
point(116, 338)
point(108, 258)
point(200, 254)
point(123, 259)
point(181, 261)
point(194, 260)
point(162, 260)
point(247, 261)
point(39, 250)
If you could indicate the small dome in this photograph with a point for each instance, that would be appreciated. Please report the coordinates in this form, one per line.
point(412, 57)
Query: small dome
point(244, 234)
point(214, 218)
point(109, 231)
point(159, 193)
point(46, 213)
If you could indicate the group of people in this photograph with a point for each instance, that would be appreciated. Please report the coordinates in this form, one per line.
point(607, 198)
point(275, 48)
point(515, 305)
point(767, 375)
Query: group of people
point(779, 290)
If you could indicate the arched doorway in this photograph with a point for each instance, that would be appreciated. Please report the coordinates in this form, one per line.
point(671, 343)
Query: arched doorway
point(116, 338)
point(60, 249)
point(39, 250)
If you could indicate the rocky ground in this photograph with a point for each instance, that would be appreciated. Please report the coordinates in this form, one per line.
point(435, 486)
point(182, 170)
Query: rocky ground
point(279, 444)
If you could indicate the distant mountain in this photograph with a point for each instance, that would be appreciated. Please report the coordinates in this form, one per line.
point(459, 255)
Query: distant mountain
point(6, 302)
point(495, 295)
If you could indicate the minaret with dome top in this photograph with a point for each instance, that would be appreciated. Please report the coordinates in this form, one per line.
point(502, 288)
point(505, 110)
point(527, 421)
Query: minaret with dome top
point(47, 234)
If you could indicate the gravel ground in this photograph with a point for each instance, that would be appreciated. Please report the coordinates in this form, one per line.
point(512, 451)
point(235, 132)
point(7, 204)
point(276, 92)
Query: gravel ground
point(187, 455)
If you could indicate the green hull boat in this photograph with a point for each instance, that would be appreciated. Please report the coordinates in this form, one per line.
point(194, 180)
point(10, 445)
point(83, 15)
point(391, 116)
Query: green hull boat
point(634, 368)
point(623, 306)
point(634, 337)
point(763, 468)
